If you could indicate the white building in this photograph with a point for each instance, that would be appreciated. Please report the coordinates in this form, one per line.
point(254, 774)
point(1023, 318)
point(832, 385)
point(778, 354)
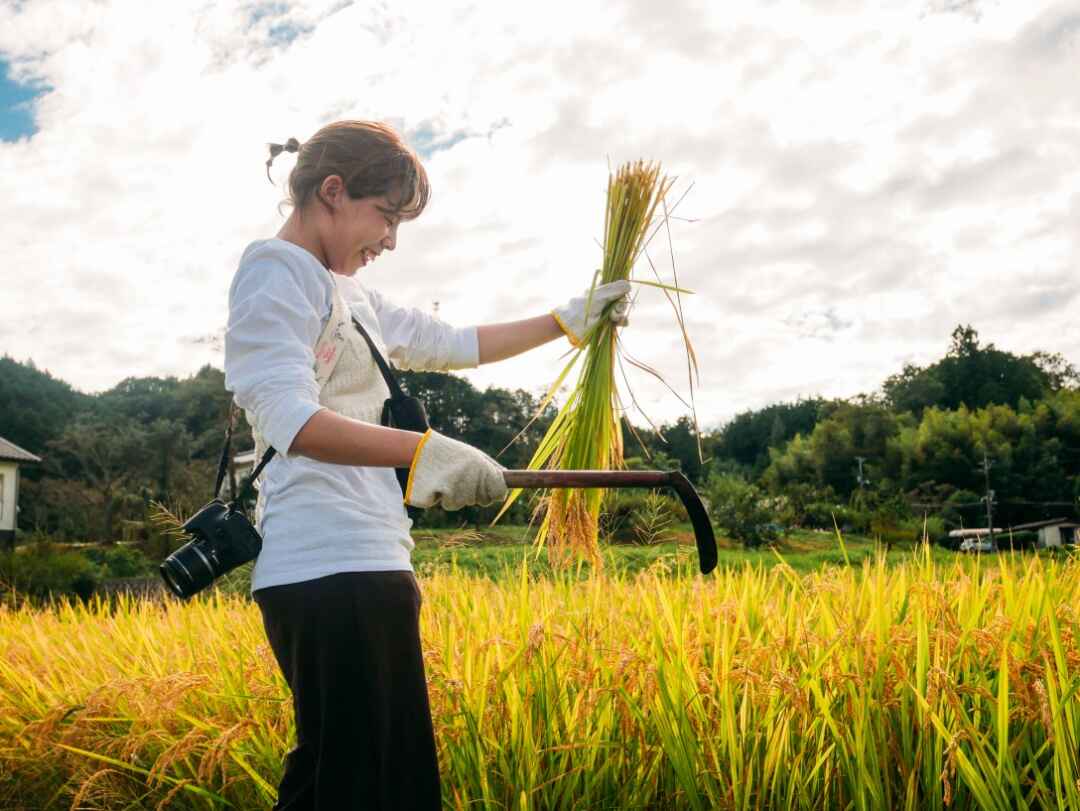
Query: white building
point(11, 456)
point(1052, 532)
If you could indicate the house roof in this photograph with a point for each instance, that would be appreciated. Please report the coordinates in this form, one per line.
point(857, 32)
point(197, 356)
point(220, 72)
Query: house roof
point(9, 451)
point(1049, 522)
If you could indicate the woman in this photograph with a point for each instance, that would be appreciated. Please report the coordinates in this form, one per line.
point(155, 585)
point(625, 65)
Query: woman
point(334, 581)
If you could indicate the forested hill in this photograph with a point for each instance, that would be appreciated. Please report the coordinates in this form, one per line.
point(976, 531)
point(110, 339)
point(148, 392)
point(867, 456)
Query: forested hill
point(933, 438)
point(923, 437)
point(34, 405)
point(107, 455)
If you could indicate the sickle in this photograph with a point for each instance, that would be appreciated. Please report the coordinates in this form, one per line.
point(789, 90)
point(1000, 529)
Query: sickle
point(563, 479)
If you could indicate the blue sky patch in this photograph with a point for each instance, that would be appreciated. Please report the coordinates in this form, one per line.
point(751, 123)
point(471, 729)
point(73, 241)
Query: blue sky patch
point(286, 32)
point(280, 31)
point(267, 10)
point(16, 106)
point(426, 140)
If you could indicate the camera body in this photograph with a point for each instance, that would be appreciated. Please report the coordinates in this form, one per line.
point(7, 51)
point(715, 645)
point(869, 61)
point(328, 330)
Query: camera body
point(222, 539)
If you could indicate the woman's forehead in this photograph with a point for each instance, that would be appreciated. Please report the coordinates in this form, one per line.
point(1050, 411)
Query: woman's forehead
point(396, 200)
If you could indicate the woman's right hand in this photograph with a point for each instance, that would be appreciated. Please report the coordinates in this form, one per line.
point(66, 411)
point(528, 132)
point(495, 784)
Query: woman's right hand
point(452, 474)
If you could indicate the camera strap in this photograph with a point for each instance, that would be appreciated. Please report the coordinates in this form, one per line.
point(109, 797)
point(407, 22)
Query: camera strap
point(223, 464)
point(384, 367)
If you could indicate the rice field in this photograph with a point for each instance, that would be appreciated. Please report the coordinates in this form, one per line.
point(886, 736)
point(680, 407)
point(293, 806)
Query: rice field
point(914, 686)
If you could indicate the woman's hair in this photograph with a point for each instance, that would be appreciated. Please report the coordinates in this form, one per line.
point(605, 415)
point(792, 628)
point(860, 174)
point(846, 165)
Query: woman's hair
point(369, 157)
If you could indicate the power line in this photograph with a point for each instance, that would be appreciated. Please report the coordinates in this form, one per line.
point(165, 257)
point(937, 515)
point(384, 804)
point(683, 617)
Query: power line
point(979, 503)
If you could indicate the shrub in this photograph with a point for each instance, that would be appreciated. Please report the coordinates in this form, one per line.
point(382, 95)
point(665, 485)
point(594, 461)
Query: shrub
point(121, 561)
point(1017, 540)
point(904, 534)
point(738, 508)
point(912, 530)
point(795, 500)
point(617, 512)
point(45, 570)
point(934, 526)
point(821, 515)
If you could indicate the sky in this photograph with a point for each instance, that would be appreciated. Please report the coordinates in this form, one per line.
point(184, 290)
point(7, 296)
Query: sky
point(859, 178)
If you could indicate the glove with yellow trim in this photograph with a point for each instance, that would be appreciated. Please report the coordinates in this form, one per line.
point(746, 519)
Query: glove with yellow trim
point(452, 474)
point(578, 315)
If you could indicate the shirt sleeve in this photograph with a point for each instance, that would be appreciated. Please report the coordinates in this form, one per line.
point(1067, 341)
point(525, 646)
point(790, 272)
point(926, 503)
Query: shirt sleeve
point(418, 341)
point(274, 324)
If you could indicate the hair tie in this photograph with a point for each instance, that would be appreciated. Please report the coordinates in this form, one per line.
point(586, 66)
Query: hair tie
point(292, 145)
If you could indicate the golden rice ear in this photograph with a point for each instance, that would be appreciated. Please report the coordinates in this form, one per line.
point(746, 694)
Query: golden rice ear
point(167, 521)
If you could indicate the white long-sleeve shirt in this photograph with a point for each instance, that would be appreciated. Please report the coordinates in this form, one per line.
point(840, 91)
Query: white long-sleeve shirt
point(318, 518)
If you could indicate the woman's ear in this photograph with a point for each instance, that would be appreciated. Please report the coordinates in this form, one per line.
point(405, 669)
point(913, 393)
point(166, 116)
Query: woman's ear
point(332, 191)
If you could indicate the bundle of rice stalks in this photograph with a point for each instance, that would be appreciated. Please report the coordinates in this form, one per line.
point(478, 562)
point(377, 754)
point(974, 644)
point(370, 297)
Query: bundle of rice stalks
point(586, 433)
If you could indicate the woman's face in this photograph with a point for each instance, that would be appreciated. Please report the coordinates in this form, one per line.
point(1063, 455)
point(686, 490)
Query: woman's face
point(358, 230)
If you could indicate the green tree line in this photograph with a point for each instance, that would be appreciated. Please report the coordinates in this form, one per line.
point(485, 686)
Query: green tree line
point(108, 456)
point(920, 446)
point(922, 438)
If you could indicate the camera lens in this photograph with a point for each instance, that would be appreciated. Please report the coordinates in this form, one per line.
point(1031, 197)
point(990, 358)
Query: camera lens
point(176, 577)
point(187, 570)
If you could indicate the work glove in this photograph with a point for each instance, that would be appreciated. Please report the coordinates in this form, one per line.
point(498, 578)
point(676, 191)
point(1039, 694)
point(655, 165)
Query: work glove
point(453, 474)
point(578, 315)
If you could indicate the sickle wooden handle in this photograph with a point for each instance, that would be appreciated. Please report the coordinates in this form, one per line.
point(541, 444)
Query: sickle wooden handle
point(562, 479)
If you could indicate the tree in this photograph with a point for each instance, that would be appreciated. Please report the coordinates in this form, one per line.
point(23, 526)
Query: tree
point(107, 456)
point(202, 403)
point(913, 389)
point(975, 375)
point(34, 407)
point(682, 444)
point(1060, 374)
point(749, 436)
point(827, 458)
point(167, 443)
point(141, 398)
point(1030, 451)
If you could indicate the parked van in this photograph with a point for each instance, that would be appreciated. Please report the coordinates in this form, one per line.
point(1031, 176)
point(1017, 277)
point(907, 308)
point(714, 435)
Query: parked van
point(976, 543)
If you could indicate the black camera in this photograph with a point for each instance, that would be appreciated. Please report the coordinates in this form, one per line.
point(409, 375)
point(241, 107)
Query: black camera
point(222, 539)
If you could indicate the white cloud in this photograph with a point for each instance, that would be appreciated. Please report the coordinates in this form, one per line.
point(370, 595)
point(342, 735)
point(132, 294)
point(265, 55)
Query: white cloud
point(863, 180)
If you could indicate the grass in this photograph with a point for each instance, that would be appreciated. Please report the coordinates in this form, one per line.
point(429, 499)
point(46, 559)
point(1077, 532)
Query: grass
point(499, 551)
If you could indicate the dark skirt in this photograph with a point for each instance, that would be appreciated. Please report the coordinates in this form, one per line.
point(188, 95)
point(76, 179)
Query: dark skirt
point(349, 647)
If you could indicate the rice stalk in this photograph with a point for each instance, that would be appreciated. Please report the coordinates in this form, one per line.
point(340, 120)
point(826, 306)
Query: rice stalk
point(586, 434)
point(166, 521)
point(946, 684)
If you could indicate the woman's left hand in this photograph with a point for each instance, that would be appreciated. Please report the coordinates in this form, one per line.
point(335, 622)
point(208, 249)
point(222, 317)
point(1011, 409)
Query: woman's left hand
point(578, 315)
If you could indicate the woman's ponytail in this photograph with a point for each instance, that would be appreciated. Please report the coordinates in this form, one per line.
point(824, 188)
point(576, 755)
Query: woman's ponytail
point(292, 145)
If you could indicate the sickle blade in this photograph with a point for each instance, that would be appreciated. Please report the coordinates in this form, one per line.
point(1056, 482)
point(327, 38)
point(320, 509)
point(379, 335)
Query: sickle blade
point(699, 518)
point(564, 479)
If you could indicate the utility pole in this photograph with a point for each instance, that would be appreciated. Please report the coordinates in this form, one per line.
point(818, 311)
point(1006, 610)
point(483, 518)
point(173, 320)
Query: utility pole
point(989, 499)
point(862, 479)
